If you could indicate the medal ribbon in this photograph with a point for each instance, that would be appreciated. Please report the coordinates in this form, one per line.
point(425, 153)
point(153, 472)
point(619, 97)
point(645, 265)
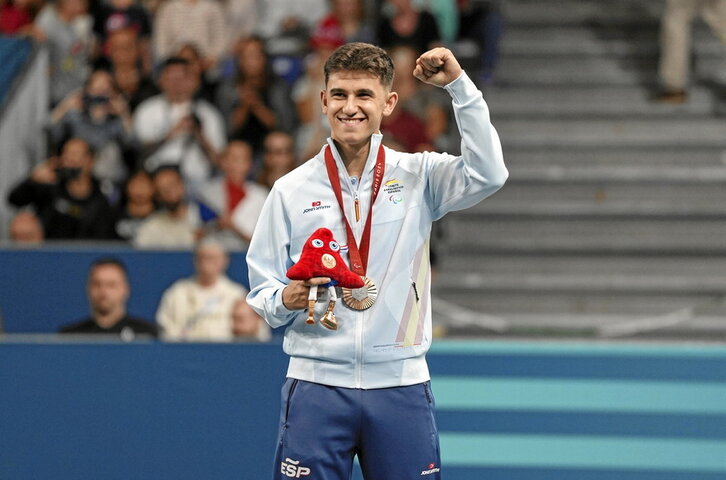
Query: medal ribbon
point(358, 255)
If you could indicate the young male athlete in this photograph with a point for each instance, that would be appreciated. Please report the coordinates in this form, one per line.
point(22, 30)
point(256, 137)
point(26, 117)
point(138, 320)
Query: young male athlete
point(362, 387)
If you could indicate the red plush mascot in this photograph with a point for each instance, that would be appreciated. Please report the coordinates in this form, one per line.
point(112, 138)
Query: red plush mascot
point(320, 257)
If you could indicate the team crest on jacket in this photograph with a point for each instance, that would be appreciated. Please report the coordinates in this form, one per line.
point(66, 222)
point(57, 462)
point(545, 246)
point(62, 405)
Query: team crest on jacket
point(393, 190)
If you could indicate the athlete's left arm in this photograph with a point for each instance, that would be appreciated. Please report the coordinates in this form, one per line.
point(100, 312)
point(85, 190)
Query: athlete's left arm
point(459, 182)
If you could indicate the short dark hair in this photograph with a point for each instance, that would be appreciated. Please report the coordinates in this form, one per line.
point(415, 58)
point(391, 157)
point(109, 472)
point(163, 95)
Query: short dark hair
point(166, 168)
point(171, 61)
point(104, 261)
point(361, 57)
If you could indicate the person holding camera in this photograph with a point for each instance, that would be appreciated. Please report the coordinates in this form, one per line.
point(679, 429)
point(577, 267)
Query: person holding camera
point(66, 196)
point(175, 129)
point(98, 114)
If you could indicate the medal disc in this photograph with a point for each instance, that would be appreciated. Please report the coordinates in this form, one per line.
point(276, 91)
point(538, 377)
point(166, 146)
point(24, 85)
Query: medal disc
point(361, 298)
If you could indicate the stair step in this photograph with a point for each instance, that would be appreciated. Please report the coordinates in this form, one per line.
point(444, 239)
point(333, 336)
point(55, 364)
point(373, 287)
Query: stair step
point(617, 156)
point(548, 304)
point(593, 40)
point(574, 12)
point(541, 70)
point(625, 235)
point(651, 265)
point(587, 101)
point(605, 174)
point(696, 132)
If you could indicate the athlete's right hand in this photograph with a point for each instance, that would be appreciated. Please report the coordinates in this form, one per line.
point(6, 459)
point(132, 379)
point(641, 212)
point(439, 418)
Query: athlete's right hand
point(295, 294)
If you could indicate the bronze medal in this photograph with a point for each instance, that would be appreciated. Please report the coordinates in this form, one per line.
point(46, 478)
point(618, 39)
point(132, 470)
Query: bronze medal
point(361, 298)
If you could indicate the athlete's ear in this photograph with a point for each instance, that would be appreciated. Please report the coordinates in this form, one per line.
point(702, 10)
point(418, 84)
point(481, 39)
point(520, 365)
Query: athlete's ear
point(324, 101)
point(391, 102)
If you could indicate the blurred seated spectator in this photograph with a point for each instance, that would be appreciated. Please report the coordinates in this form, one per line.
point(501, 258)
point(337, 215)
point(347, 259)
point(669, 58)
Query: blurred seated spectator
point(430, 105)
point(99, 115)
point(481, 22)
point(446, 14)
point(123, 60)
point(345, 23)
point(108, 292)
point(233, 201)
point(114, 15)
point(247, 324)
point(200, 308)
point(66, 28)
point(403, 24)
point(137, 204)
point(66, 197)
point(16, 17)
point(25, 229)
point(403, 124)
point(255, 101)
point(200, 22)
point(176, 129)
point(286, 24)
point(278, 159)
point(675, 43)
point(176, 223)
point(204, 88)
point(242, 18)
point(314, 128)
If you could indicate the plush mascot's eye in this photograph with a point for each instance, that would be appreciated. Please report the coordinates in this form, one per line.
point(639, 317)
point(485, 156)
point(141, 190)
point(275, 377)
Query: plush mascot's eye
point(317, 243)
point(334, 246)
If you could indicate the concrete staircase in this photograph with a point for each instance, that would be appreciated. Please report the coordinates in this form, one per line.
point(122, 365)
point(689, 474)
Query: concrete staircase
point(613, 222)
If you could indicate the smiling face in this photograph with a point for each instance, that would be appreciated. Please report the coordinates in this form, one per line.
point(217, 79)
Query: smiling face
point(355, 103)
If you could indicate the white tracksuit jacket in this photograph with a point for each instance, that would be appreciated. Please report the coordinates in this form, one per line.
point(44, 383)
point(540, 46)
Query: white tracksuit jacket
point(383, 346)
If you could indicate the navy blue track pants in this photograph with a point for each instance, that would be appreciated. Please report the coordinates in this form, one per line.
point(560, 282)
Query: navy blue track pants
point(391, 430)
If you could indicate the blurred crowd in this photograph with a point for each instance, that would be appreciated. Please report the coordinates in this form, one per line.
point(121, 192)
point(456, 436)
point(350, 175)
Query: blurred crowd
point(171, 119)
point(208, 306)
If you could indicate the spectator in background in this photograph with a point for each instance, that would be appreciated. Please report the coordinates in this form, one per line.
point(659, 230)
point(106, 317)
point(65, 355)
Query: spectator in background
point(278, 159)
point(258, 101)
point(204, 87)
point(403, 24)
point(123, 60)
point(115, 15)
point(430, 106)
point(675, 42)
point(99, 115)
point(177, 222)
point(403, 125)
point(314, 127)
point(200, 22)
point(247, 324)
point(137, 204)
point(16, 17)
point(66, 27)
point(200, 308)
point(175, 129)
point(108, 292)
point(66, 197)
point(345, 23)
point(481, 22)
point(242, 18)
point(286, 24)
point(234, 202)
point(25, 229)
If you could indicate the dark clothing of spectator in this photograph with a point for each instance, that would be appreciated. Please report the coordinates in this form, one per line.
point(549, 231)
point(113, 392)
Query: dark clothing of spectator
point(126, 225)
point(426, 32)
point(79, 124)
point(64, 216)
point(136, 326)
